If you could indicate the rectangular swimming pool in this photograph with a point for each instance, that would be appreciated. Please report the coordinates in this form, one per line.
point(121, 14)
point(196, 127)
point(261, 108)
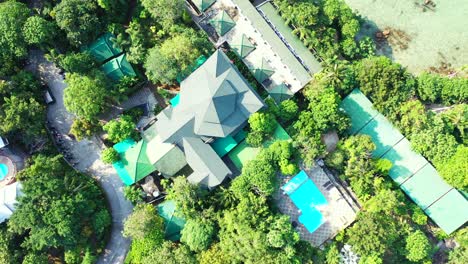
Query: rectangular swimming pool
point(306, 196)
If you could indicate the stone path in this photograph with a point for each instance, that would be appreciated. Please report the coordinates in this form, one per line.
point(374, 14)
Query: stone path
point(86, 155)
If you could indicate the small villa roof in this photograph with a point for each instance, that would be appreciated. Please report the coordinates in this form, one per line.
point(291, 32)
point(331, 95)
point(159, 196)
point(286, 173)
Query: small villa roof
point(280, 93)
point(202, 5)
point(243, 46)
point(104, 47)
point(8, 198)
point(222, 23)
point(173, 223)
point(263, 71)
point(3, 142)
point(118, 67)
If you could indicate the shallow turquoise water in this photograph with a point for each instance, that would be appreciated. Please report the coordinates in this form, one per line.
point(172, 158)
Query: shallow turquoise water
point(3, 171)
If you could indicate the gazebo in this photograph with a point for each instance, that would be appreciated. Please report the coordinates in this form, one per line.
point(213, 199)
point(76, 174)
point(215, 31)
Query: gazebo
point(263, 72)
point(222, 23)
point(202, 5)
point(117, 68)
point(280, 93)
point(104, 47)
point(243, 46)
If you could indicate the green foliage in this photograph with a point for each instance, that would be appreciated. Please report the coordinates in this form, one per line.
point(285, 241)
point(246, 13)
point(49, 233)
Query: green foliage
point(120, 129)
point(329, 27)
point(170, 253)
point(412, 117)
point(263, 122)
point(82, 128)
point(260, 176)
point(58, 208)
point(86, 95)
point(434, 144)
point(38, 31)
point(255, 139)
point(418, 216)
point(116, 10)
point(133, 194)
point(332, 254)
point(456, 120)
point(110, 155)
point(437, 89)
point(79, 19)
point(176, 54)
point(143, 221)
point(455, 169)
point(81, 62)
point(197, 234)
point(387, 84)
point(22, 115)
point(336, 74)
point(288, 110)
point(166, 12)
point(33, 258)
point(324, 110)
point(12, 45)
point(417, 246)
point(187, 196)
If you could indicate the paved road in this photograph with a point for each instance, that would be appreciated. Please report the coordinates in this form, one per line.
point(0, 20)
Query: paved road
point(87, 154)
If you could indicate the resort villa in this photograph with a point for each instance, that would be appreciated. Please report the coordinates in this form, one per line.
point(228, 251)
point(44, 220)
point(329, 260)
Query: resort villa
point(213, 106)
point(260, 37)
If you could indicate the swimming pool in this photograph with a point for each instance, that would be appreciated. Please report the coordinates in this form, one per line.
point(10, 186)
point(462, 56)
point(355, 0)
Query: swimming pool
point(3, 171)
point(306, 196)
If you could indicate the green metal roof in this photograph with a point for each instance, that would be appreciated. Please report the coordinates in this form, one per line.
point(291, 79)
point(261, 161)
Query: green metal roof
point(308, 59)
point(383, 133)
point(280, 93)
point(263, 71)
point(118, 68)
point(416, 176)
point(104, 47)
point(449, 220)
point(222, 146)
point(136, 162)
point(269, 35)
point(202, 5)
point(222, 23)
point(425, 187)
point(243, 46)
point(359, 109)
point(173, 224)
point(405, 161)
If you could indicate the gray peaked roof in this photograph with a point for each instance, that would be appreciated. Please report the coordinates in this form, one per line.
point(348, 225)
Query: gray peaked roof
point(215, 101)
point(209, 169)
point(215, 97)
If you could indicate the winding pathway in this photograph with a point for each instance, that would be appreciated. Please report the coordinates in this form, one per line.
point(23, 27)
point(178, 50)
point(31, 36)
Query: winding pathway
point(87, 154)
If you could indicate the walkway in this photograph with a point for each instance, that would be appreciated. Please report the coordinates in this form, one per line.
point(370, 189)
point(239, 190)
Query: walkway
point(86, 154)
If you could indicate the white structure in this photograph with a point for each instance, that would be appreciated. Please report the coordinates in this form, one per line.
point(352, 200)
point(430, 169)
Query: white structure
point(348, 256)
point(3, 142)
point(8, 196)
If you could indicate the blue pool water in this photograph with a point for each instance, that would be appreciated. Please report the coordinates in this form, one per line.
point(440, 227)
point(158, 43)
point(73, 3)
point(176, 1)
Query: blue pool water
point(119, 166)
point(306, 196)
point(3, 171)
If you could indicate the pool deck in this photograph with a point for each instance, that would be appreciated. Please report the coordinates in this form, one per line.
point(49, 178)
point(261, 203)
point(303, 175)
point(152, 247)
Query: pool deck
point(338, 214)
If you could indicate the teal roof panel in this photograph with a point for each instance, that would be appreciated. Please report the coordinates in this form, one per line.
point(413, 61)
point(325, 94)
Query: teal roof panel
point(383, 134)
point(450, 212)
point(425, 187)
point(405, 161)
point(359, 109)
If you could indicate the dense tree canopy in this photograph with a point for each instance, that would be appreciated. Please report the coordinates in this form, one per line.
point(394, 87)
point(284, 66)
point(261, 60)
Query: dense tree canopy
point(198, 234)
point(120, 129)
point(387, 84)
point(60, 209)
point(165, 11)
point(12, 44)
point(38, 31)
point(86, 95)
point(79, 19)
point(175, 55)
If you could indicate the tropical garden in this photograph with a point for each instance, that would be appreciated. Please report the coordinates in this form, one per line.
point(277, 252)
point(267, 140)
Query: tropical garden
point(62, 217)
